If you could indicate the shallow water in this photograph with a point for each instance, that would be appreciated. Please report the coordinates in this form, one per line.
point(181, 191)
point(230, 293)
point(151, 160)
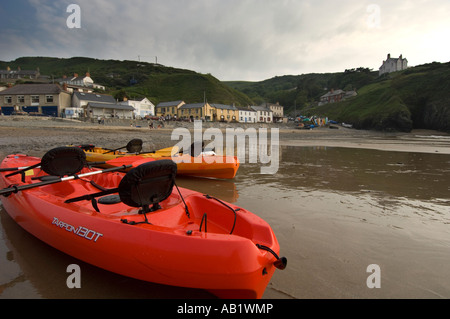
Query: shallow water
point(335, 211)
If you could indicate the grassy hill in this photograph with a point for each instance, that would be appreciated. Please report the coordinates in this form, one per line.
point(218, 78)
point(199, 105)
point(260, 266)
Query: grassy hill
point(137, 79)
point(417, 98)
point(300, 91)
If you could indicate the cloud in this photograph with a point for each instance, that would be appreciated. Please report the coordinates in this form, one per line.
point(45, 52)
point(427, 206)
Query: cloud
point(233, 39)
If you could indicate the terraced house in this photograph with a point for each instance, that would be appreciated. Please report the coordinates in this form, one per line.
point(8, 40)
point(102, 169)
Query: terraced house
point(196, 111)
point(169, 109)
point(43, 99)
point(225, 113)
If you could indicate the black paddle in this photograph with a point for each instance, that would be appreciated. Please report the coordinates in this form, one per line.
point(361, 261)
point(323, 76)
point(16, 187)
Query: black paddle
point(14, 189)
point(58, 162)
point(133, 146)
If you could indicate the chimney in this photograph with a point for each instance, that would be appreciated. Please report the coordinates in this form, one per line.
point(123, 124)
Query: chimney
point(8, 68)
point(401, 57)
point(389, 56)
point(75, 75)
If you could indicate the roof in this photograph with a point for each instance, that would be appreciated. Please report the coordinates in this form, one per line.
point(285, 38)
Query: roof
point(245, 108)
point(19, 72)
point(192, 106)
point(171, 103)
point(336, 92)
point(32, 89)
point(93, 97)
point(110, 106)
point(261, 108)
point(224, 107)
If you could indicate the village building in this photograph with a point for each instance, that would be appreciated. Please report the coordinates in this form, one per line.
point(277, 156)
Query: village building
point(102, 111)
point(78, 83)
point(142, 107)
point(80, 101)
point(42, 99)
point(332, 96)
point(169, 109)
point(247, 115)
point(278, 112)
point(335, 96)
point(196, 111)
point(263, 114)
point(225, 113)
point(9, 75)
point(393, 65)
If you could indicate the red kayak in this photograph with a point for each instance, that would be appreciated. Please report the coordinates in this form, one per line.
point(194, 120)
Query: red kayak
point(139, 224)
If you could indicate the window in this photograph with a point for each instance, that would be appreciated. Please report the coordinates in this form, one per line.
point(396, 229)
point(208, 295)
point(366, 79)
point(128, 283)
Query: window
point(8, 99)
point(20, 99)
point(35, 99)
point(49, 98)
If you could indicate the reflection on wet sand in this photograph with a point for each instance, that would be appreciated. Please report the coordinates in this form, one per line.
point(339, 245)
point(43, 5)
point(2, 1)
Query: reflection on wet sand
point(334, 210)
point(337, 210)
point(36, 270)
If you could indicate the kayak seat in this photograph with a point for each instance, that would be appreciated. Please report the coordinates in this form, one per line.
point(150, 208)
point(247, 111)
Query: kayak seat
point(62, 161)
point(145, 187)
point(148, 184)
point(59, 162)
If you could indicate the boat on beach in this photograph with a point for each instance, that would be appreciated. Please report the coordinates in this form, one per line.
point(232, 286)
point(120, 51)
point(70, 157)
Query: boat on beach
point(205, 164)
point(140, 224)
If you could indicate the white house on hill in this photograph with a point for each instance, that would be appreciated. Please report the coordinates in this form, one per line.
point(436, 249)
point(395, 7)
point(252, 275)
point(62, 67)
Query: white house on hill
point(393, 65)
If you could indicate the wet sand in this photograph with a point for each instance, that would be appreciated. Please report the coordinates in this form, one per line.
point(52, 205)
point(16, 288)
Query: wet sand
point(35, 136)
point(342, 200)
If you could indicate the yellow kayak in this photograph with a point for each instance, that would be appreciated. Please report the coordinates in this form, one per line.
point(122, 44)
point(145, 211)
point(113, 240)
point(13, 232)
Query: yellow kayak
point(212, 166)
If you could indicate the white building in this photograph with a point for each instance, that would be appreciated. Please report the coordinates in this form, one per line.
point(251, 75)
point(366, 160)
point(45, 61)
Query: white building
point(142, 108)
point(263, 114)
point(393, 65)
point(247, 115)
point(109, 110)
point(81, 99)
point(80, 83)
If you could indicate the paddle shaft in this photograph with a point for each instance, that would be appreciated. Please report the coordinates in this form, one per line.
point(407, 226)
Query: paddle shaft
point(15, 189)
point(11, 169)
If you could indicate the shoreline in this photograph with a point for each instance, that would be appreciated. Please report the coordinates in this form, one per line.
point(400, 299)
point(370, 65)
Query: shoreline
point(35, 133)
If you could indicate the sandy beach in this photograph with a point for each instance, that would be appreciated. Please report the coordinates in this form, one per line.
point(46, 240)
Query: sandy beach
point(34, 136)
point(384, 201)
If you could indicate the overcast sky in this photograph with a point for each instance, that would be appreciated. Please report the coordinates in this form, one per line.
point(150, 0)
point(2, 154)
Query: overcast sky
point(249, 40)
